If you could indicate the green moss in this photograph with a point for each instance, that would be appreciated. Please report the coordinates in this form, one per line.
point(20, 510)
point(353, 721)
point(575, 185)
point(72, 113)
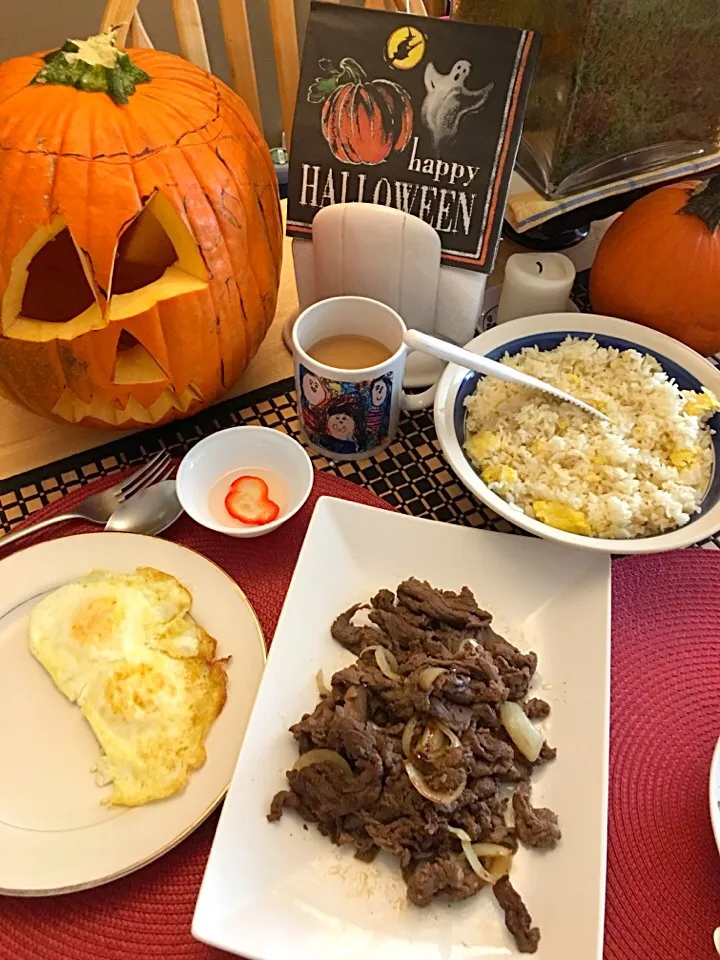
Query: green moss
point(615, 75)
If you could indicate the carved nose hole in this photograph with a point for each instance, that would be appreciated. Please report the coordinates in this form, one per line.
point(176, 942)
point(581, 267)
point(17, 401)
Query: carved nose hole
point(134, 363)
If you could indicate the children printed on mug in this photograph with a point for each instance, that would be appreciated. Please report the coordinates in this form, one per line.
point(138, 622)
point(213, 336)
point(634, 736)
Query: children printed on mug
point(315, 399)
point(343, 425)
point(345, 417)
point(377, 419)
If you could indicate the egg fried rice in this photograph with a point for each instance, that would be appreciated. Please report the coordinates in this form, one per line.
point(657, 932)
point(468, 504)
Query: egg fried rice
point(642, 473)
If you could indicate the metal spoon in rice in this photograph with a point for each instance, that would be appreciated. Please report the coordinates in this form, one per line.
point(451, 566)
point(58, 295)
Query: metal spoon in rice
point(491, 368)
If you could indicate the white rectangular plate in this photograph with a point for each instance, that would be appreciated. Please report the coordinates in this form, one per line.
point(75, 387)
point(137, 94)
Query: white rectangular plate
point(280, 891)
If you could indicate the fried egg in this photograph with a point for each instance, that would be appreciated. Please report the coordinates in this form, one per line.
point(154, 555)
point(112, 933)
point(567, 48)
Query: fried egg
point(700, 404)
point(557, 514)
point(126, 650)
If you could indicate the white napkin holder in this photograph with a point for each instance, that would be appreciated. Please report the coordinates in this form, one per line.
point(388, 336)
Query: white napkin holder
point(379, 252)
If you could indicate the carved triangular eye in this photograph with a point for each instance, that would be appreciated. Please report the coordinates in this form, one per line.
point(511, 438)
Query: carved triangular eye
point(156, 258)
point(57, 289)
point(49, 294)
point(143, 255)
point(134, 364)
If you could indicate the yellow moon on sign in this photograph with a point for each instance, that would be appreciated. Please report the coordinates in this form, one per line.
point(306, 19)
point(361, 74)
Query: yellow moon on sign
point(405, 48)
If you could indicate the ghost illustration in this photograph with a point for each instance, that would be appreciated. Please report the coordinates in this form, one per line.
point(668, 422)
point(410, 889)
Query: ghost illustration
point(448, 100)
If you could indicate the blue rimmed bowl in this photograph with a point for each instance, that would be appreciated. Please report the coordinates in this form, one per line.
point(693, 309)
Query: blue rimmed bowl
point(689, 370)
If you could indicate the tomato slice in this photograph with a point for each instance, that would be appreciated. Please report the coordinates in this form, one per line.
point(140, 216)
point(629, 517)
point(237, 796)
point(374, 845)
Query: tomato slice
point(248, 500)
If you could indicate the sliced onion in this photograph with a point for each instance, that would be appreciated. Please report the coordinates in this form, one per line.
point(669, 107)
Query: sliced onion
point(331, 757)
point(385, 660)
point(433, 741)
point(423, 744)
point(461, 834)
point(408, 734)
point(492, 850)
point(499, 857)
point(387, 663)
point(452, 737)
point(428, 676)
point(372, 646)
point(478, 868)
point(420, 784)
point(523, 733)
point(322, 686)
point(467, 641)
point(500, 867)
point(471, 856)
point(437, 744)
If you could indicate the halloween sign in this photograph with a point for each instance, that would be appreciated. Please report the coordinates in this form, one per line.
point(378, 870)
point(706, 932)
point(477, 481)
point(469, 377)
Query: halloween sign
point(419, 114)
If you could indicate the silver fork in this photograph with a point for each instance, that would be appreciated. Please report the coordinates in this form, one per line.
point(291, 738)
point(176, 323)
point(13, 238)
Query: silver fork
point(99, 507)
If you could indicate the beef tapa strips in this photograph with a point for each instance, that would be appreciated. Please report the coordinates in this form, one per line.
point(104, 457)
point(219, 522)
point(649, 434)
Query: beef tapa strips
point(427, 716)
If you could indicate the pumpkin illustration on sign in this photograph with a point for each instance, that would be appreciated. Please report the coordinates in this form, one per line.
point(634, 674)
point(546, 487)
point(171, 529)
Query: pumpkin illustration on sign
point(363, 120)
point(141, 230)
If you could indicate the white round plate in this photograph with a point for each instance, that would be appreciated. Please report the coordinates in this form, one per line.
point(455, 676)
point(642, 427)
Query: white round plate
point(715, 794)
point(55, 835)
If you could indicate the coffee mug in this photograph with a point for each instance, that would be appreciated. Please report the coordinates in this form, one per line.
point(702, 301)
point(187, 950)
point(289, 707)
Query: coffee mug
point(351, 414)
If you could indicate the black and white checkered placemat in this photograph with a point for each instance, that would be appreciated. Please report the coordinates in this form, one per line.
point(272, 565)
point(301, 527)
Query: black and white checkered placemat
point(411, 474)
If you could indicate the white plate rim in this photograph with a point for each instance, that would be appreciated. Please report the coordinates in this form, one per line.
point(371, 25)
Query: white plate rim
point(178, 838)
point(453, 375)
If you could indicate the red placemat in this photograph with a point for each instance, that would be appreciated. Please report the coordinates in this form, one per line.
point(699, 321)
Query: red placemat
point(663, 889)
point(663, 897)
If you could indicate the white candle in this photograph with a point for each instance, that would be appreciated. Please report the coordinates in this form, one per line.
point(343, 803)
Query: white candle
point(535, 283)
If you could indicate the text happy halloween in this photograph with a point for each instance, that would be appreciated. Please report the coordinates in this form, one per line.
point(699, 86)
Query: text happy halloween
point(449, 209)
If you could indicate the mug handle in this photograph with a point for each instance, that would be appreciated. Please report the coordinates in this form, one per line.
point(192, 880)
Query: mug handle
point(412, 402)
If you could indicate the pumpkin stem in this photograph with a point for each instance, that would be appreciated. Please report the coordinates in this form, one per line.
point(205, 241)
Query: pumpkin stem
point(94, 65)
point(352, 70)
point(349, 71)
point(704, 203)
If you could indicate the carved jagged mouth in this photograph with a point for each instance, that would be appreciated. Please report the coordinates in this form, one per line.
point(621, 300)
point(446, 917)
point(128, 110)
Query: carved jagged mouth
point(72, 409)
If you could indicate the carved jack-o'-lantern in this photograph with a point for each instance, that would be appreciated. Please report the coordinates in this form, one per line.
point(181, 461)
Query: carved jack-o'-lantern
point(140, 235)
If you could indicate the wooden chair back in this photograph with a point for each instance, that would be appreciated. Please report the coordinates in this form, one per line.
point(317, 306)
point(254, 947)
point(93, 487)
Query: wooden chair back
point(238, 43)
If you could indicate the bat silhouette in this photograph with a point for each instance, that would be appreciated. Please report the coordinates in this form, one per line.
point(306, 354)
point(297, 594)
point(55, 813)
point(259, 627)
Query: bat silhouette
point(448, 100)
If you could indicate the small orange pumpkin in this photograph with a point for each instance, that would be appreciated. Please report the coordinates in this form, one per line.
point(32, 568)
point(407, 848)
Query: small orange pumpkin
point(363, 120)
point(659, 264)
point(140, 235)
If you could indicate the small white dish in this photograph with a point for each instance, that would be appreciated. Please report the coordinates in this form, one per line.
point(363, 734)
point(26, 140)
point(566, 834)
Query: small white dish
point(715, 796)
point(55, 834)
point(255, 451)
point(278, 891)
